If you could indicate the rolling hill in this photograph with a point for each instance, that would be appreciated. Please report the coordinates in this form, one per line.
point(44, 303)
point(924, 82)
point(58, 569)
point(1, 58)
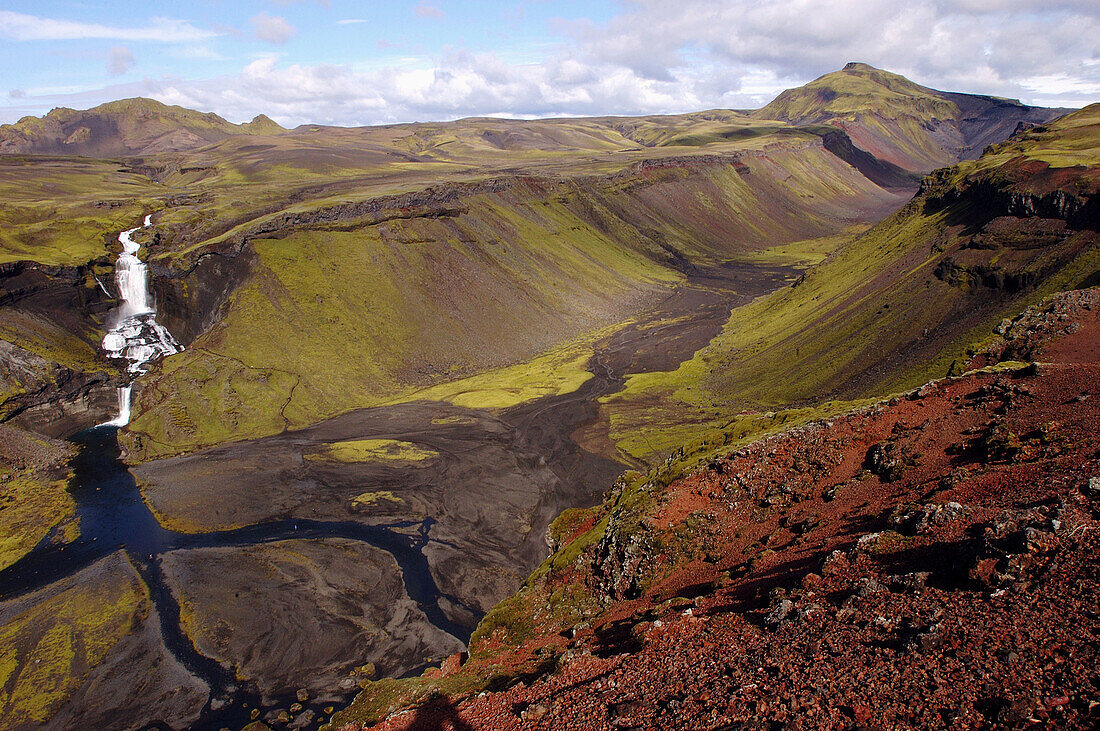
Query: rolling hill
point(126, 127)
point(901, 122)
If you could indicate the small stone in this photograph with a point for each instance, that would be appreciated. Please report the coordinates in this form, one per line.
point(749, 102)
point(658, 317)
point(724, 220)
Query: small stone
point(869, 586)
point(302, 695)
point(1094, 485)
point(255, 714)
point(296, 707)
point(780, 612)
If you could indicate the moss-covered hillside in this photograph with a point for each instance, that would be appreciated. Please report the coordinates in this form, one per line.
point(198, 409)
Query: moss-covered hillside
point(898, 304)
point(124, 127)
point(361, 305)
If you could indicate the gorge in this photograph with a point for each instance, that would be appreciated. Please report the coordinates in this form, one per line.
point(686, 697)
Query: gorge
point(442, 393)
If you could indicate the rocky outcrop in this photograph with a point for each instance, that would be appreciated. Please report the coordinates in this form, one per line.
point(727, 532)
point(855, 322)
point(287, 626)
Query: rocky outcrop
point(1027, 197)
point(49, 398)
point(1041, 331)
point(52, 379)
point(190, 300)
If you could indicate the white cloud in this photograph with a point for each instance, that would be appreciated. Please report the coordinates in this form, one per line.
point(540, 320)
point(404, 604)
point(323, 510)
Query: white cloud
point(979, 45)
point(120, 59)
point(658, 57)
point(351, 21)
point(272, 28)
point(23, 27)
point(427, 10)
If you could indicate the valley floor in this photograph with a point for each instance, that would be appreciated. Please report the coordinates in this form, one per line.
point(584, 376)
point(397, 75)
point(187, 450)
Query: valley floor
point(472, 490)
point(930, 561)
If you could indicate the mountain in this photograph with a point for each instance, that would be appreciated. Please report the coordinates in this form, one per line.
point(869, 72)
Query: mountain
point(125, 127)
point(901, 122)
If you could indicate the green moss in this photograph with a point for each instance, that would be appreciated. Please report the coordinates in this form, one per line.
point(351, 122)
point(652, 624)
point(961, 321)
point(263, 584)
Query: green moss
point(508, 622)
point(47, 651)
point(561, 371)
point(379, 698)
point(568, 521)
point(368, 499)
point(35, 502)
point(454, 420)
point(372, 450)
point(31, 507)
point(66, 211)
point(52, 341)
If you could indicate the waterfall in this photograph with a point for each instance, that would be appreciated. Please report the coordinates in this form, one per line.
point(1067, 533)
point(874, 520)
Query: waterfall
point(123, 417)
point(133, 332)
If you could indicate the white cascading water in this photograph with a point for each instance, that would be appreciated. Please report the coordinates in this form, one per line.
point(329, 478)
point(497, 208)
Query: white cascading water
point(134, 333)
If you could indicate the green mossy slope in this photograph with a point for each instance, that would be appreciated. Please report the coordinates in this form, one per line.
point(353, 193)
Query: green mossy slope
point(67, 211)
point(897, 305)
point(340, 314)
point(48, 650)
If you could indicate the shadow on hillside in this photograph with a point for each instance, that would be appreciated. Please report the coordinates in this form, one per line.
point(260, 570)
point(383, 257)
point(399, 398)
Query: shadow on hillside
point(438, 714)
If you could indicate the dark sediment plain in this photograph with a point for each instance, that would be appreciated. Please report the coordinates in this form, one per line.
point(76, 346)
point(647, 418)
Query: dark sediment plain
point(85, 641)
point(88, 651)
point(326, 596)
point(368, 544)
point(488, 483)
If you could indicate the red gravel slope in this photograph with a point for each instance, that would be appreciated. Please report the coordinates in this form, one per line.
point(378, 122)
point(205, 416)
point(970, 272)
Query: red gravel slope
point(932, 561)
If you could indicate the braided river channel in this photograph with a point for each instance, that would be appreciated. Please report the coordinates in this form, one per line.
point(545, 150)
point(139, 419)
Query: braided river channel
point(272, 594)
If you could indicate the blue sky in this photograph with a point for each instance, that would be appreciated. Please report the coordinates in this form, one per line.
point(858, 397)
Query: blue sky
point(338, 62)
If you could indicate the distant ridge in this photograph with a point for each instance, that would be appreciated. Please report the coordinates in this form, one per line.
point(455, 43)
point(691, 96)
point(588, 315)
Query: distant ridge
point(907, 128)
point(902, 122)
point(126, 127)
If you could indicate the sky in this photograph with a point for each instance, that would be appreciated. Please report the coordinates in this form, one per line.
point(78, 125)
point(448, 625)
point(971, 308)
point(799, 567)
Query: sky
point(356, 63)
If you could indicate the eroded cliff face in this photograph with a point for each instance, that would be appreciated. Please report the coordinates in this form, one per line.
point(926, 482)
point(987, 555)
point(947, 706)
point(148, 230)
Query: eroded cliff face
point(52, 380)
point(307, 314)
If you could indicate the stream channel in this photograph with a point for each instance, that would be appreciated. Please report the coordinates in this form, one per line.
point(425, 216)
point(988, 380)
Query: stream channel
point(434, 542)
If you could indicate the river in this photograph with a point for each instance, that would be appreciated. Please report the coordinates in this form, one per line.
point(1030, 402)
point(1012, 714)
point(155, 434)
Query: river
point(465, 533)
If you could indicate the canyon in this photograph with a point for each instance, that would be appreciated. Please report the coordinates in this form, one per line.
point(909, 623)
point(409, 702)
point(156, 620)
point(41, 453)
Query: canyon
point(449, 394)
